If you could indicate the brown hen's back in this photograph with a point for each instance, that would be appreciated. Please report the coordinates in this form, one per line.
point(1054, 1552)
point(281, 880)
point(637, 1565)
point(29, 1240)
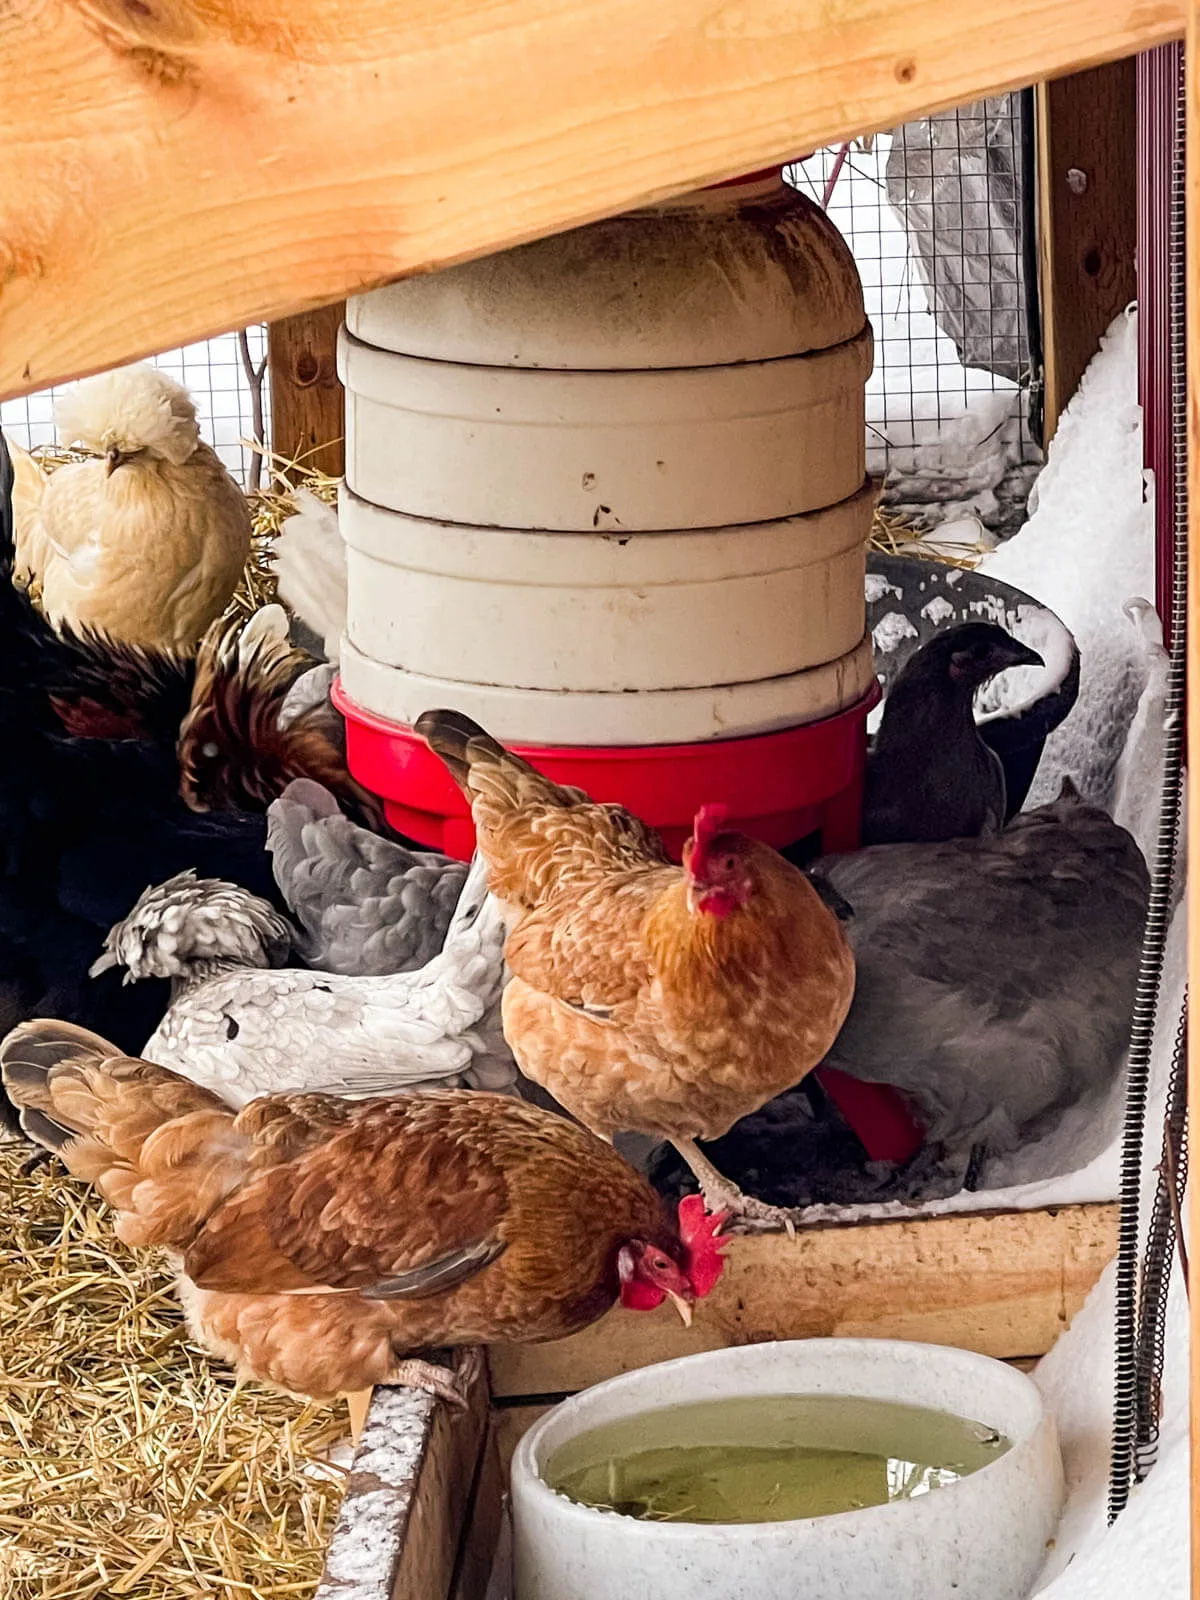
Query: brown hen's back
point(322, 1240)
point(538, 837)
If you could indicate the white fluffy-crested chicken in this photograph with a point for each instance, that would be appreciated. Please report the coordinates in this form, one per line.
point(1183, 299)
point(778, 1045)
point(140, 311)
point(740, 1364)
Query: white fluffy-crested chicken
point(148, 542)
point(322, 1245)
point(368, 906)
point(243, 1026)
point(309, 560)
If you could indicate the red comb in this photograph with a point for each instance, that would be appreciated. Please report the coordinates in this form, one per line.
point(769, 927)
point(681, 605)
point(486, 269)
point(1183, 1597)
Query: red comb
point(709, 822)
point(700, 1231)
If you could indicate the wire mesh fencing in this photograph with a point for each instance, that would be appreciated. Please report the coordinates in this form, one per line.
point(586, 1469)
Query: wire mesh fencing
point(933, 214)
point(214, 371)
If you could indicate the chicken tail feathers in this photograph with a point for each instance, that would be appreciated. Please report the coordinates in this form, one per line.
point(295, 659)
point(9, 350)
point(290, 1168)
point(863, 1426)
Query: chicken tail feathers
point(462, 744)
point(160, 1149)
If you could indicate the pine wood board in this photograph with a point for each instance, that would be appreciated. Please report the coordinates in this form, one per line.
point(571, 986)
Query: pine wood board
point(1087, 192)
point(401, 1525)
point(1005, 1284)
point(187, 167)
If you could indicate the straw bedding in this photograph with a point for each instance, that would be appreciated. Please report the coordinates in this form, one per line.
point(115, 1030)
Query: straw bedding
point(131, 1465)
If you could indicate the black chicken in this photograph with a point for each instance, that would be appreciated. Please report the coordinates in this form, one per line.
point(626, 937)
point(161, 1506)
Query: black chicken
point(930, 775)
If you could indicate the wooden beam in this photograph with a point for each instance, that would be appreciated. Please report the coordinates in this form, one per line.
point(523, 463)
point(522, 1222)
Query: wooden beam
point(1005, 1284)
point(193, 166)
point(1087, 181)
point(1191, 70)
point(308, 403)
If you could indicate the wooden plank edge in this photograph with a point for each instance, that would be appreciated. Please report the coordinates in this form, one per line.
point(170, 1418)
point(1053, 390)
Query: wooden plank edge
point(227, 166)
point(1004, 1283)
point(398, 1531)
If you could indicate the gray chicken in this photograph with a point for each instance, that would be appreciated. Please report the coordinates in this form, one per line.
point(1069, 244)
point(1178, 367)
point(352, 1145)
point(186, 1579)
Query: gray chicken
point(929, 774)
point(995, 976)
point(995, 984)
point(244, 1025)
point(369, 908)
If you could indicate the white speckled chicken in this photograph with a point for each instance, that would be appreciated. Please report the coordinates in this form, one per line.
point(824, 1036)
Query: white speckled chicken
point(242, 1027)
point(148, 542)
point(368, 906)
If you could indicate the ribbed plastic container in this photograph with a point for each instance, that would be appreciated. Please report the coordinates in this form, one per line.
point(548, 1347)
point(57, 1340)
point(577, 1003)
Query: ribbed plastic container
point(609, 488)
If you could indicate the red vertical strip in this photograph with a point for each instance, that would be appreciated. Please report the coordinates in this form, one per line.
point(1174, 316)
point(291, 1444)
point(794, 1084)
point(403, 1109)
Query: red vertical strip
point(1158, 76)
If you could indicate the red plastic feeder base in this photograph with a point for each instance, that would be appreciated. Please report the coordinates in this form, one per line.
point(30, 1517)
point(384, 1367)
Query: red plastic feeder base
point(779, 787)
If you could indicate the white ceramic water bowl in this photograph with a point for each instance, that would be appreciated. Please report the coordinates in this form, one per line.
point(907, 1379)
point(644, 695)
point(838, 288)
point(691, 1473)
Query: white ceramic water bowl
point(983, 1538)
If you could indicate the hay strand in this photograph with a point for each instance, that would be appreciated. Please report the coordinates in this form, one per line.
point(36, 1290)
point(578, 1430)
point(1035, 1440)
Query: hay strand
point(130, 1464)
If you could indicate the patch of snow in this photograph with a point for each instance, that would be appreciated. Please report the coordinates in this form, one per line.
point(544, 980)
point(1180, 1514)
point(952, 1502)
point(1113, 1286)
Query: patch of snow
point(937, 609)
point(370, 1524)
point(1015, 690)
point(1088, 546)
point(891, 630)
point(877, 586)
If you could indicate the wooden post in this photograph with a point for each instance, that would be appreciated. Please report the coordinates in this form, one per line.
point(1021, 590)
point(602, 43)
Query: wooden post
point(308, 406)
point(1087, 181)
point(1191, 67)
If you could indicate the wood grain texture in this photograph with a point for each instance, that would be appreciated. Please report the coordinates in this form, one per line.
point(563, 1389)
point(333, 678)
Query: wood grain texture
point(308, 403)
point(1087, 178)
point(188, 166)
point(1005, 1285)
point(1192, 80)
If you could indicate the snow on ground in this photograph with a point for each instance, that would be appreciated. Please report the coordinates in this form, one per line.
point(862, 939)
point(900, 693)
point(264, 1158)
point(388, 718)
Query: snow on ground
point(1087, 549)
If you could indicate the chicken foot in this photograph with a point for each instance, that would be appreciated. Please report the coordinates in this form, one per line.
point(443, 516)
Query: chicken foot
point(722, 1194)
point(452, 1387)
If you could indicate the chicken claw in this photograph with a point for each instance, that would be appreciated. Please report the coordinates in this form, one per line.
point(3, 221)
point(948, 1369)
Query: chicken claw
point(721, 1194)
point(452, 1387)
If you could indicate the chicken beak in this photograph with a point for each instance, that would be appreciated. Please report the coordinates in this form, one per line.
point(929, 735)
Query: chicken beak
point(112, 460)
point(682, 1306)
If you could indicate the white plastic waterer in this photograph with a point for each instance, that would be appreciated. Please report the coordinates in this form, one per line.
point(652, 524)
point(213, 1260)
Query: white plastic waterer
point(609, 488)
point(982, 1538)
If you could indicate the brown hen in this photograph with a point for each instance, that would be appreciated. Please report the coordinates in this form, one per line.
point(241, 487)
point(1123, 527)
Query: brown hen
point(320, 1242)
point(647, 997)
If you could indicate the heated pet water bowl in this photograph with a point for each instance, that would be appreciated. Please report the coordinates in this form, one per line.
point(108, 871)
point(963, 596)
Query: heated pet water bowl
point(981, 1538)
point(909, 599)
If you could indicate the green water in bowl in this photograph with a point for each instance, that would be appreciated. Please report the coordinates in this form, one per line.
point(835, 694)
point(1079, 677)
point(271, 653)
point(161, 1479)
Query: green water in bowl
point(769, 1458)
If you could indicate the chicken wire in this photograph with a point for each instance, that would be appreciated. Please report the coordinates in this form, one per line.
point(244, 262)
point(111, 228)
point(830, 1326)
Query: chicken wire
point(932, 214)
point(214, 374)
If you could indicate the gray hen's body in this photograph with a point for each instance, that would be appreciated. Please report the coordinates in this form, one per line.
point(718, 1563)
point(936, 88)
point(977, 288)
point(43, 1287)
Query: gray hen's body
point(369, 908)
point(996, 976)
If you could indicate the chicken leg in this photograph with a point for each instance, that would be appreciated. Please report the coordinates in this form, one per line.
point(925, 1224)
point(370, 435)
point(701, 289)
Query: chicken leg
point(721, 1194)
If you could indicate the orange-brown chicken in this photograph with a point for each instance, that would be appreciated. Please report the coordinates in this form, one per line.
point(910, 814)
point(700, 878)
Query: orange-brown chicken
point(321, 1242)
point(648, 997)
